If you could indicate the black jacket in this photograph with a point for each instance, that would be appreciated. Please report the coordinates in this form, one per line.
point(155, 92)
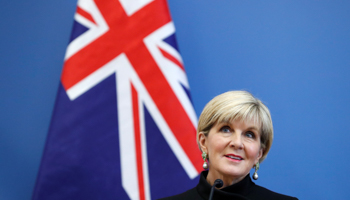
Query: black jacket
point(245, 189)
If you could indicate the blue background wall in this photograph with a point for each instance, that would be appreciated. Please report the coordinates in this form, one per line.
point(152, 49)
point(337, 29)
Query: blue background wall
point(294, 55)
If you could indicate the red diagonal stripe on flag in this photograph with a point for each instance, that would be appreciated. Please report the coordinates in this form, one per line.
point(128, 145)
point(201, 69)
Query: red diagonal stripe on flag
point(176, 117)
point(85, 14)
point(171, 58)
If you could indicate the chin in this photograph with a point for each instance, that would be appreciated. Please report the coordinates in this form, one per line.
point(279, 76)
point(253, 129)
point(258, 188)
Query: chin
point(234, 173)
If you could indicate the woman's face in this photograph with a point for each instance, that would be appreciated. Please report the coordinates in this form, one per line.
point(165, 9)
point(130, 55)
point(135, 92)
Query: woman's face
point(233, 149)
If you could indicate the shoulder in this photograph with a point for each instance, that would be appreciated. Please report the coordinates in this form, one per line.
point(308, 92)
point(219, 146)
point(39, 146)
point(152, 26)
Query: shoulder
point(191, 194)
point(263, 193)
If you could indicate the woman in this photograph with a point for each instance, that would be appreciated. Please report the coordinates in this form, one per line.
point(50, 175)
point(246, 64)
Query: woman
point(234, 134)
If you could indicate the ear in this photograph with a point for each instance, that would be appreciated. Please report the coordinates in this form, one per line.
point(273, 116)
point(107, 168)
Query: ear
point(261, 151)
point(202, 140)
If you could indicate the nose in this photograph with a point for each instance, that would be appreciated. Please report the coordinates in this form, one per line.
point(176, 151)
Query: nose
point(236, 141)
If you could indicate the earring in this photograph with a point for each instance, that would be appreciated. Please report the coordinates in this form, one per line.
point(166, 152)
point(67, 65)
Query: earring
point(205, 156)
point(255, 175)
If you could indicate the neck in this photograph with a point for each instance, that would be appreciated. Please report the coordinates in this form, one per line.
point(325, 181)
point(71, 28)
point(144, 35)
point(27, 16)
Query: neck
point(228, 180)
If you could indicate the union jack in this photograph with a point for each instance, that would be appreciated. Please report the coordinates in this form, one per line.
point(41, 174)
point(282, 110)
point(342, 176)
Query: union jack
point(121, 51)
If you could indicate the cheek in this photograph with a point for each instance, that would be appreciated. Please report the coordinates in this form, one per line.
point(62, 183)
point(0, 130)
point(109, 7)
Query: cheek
point(216, 144)
point(252, 151)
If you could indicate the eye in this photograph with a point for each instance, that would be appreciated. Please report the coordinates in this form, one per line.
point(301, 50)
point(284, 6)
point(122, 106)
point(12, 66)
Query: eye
point(225, 129)
point(250, 134)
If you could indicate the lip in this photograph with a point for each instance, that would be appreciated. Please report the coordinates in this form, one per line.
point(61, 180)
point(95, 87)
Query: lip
point(229, 156)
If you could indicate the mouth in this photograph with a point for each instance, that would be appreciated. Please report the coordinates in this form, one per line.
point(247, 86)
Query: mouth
point(234, 157)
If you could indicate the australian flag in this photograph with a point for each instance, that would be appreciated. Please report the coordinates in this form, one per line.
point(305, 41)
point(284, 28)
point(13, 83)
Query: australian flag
point(123, 125)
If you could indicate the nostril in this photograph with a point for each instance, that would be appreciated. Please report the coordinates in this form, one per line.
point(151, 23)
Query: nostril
point(237, 145)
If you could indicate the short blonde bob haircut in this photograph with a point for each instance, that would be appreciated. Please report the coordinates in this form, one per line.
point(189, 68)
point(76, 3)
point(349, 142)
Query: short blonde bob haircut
point(237, 105)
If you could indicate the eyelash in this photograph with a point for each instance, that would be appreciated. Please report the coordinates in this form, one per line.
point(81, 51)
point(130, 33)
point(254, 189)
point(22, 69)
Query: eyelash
point(225, 127)
point(251, 133)
point(246, 133)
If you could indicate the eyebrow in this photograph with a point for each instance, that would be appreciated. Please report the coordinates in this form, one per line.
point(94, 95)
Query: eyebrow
point(223, 124)
point(229, 124)
point(253, 128)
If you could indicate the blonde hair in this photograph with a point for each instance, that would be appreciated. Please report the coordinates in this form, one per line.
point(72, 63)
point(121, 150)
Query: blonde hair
point(238, 105)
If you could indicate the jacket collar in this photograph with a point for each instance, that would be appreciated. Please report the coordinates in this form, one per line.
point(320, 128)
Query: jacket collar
point(236, 191)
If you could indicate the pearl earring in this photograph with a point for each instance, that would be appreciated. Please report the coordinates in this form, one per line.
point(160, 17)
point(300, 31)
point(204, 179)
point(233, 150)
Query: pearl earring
point(255, 175)
point(205, 156)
